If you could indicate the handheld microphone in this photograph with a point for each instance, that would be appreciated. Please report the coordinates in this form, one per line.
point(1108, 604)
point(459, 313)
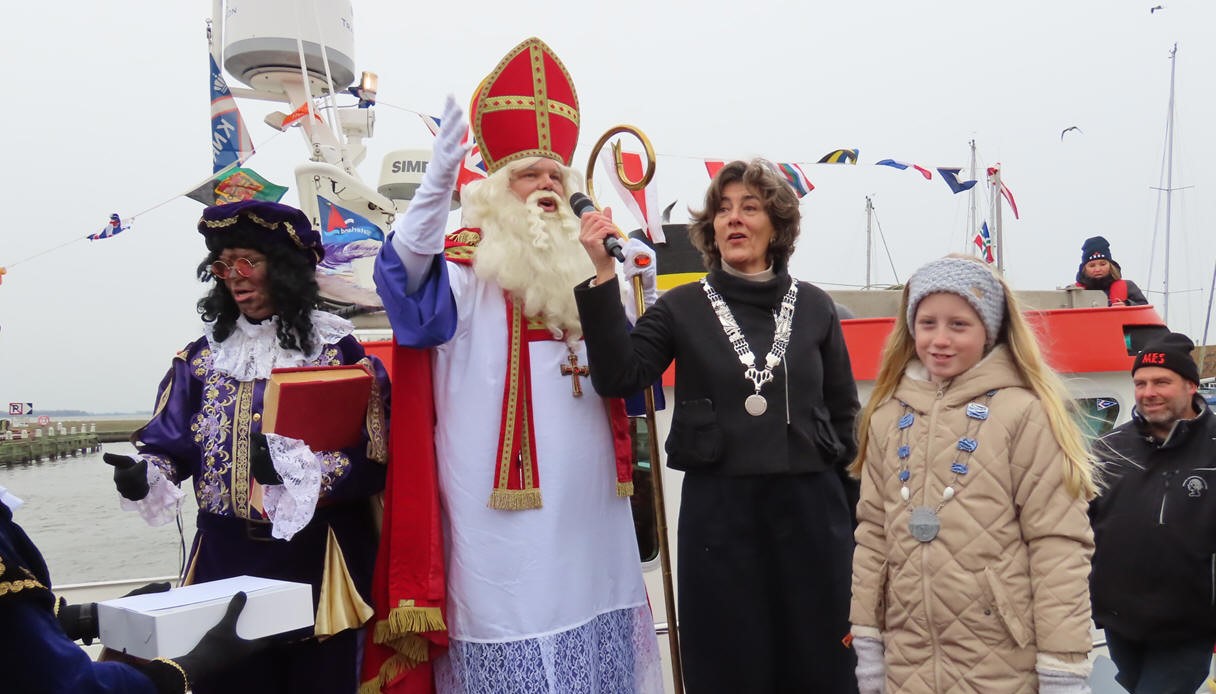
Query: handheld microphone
point(581, 204)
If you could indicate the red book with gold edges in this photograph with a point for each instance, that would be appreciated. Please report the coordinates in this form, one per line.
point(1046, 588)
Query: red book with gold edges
point(324, 406)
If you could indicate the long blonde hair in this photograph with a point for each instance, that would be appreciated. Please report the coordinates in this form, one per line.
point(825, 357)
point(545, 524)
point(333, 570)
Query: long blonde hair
point(900, 350)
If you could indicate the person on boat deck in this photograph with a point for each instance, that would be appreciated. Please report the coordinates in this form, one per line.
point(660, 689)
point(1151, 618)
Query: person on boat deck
point(38, 652)
point(1098, 270)
point(544, 586)
point(1154, 570)
point(765, 511)
point(973, 545)
point(268, 505)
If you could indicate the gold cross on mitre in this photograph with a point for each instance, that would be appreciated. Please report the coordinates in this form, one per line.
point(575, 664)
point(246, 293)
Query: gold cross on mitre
point(573, 370)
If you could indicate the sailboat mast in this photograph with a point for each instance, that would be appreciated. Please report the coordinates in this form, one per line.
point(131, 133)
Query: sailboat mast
point(869, 239)
point(972, 227)
point(1169, 185)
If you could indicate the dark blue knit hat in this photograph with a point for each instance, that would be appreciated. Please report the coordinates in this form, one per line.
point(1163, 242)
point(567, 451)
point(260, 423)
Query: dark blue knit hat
point(1095, 248)
point(263, 221)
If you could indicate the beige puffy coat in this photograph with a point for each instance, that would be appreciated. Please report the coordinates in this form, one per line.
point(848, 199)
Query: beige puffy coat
point(1006, 579)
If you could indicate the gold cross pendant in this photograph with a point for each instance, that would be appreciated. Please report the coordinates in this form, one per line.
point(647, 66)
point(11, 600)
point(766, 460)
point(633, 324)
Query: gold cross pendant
point(573, 370)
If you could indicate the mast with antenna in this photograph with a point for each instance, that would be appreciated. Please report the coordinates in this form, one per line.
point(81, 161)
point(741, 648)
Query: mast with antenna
point(1168, 189)
point(972, 227)
point(869, 238)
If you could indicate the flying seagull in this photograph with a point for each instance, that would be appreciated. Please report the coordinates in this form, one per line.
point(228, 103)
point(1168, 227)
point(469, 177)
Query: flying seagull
point(1065, 130)
point(1155, 8)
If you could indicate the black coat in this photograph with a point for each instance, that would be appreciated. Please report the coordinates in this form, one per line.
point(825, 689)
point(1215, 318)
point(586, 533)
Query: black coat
point(1154, 565)
point(812, 399)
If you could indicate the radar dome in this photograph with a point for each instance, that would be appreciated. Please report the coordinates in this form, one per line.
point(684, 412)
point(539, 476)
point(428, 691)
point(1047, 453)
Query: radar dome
point(260, 42)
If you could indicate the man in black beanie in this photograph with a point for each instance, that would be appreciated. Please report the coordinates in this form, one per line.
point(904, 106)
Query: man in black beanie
point(1153, 583)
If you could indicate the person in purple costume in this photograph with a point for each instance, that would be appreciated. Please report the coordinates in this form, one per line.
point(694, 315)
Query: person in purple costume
point(268, 505)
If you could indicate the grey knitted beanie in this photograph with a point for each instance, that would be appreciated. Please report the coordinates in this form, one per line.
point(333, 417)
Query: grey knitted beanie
point(966, 278)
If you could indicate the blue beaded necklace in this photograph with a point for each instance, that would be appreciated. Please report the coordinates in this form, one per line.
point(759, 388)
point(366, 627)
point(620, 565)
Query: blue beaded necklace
point(924, 523)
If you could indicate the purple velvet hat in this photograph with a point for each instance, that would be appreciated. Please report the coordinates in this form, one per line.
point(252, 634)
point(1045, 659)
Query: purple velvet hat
point(260, 222)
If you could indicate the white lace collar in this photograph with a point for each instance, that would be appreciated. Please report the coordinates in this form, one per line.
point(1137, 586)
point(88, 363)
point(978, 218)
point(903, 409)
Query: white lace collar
point(253, 349)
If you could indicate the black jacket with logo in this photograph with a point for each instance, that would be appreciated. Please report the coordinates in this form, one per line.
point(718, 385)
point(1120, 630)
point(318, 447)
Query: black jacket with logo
point(1154, 566)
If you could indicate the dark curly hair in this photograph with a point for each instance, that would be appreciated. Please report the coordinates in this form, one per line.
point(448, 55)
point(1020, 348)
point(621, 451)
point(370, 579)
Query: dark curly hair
point(292, 283)
point(779, 200)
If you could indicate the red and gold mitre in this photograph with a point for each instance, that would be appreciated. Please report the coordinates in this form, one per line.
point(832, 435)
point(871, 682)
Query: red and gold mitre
point(526, 107)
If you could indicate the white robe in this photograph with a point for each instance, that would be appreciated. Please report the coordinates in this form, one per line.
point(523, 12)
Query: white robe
point(532, 573)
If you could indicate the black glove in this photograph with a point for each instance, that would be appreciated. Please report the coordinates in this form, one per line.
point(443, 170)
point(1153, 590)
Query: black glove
point(219, 649)
point(156, 587)
point(130, 475)
point(79, 622)
point(260, 463)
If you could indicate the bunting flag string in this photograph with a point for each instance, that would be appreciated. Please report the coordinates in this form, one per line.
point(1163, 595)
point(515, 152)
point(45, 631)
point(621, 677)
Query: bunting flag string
point(840, 156)
point(902, 166)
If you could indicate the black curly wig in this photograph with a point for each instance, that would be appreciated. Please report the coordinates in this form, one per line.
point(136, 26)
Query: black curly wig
point(292, 283)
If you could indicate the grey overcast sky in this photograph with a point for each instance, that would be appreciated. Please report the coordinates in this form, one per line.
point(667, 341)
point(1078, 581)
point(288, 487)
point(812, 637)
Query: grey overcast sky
point(108, 112)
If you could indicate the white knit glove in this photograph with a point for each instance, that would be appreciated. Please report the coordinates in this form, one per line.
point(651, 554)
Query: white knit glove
point(633, 248)
point(1055, 682)
point(422, 227)
point(871, 669)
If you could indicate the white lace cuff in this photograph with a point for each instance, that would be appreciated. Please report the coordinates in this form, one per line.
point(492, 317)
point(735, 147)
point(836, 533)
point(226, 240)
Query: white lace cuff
point(290, 505)
point(164, 498)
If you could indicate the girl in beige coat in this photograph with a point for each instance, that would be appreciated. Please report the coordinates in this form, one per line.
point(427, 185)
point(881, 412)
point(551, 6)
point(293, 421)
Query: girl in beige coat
point(973, 543)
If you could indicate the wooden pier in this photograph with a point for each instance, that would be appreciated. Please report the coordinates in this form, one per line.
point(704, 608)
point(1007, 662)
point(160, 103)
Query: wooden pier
point(53, 442)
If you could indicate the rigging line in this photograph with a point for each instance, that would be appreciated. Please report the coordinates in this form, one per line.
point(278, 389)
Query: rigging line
point(133, 217)
point(883, 237)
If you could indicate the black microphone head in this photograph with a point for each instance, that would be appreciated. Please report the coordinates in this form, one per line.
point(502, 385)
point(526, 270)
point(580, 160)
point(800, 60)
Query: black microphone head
point(581, 204)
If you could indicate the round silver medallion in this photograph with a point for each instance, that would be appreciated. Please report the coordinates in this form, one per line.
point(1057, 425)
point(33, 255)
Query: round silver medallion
point(924, 524)
point(755, 404)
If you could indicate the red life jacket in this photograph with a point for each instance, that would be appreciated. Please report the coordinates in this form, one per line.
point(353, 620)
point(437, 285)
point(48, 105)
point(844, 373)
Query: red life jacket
point(1117, 292)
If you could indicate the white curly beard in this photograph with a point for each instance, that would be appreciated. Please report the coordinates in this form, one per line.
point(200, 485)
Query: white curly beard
point(534, 255)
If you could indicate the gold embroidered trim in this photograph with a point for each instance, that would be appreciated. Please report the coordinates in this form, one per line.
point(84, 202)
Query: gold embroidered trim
point(469, 237)
point(377, 444)
point(17, 586)
point(510, 415)
point(624, 488)
point(242, 425)
point(175, 666)
point(459, 253)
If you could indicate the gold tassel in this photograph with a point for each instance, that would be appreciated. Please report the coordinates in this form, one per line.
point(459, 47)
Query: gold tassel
point(515, 499)
point(411, 647)
point(408, 618)
point(624, 488)
point(390, 670)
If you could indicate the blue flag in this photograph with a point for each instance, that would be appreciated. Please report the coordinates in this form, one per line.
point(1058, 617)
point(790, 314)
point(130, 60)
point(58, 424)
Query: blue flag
point(950, 176)
point(230, 141)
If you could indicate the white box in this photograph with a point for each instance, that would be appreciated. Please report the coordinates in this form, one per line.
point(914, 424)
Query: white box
point(170, 624)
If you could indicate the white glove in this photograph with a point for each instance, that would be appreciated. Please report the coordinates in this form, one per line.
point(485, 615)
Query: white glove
point(1055, 682)
point(871, 668)
point(425, 221)
point(649, 272)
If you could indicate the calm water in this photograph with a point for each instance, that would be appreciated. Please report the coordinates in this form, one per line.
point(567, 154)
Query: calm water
point(71, 512)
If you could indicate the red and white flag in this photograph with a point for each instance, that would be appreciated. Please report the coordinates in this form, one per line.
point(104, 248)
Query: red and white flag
point(644, 204)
